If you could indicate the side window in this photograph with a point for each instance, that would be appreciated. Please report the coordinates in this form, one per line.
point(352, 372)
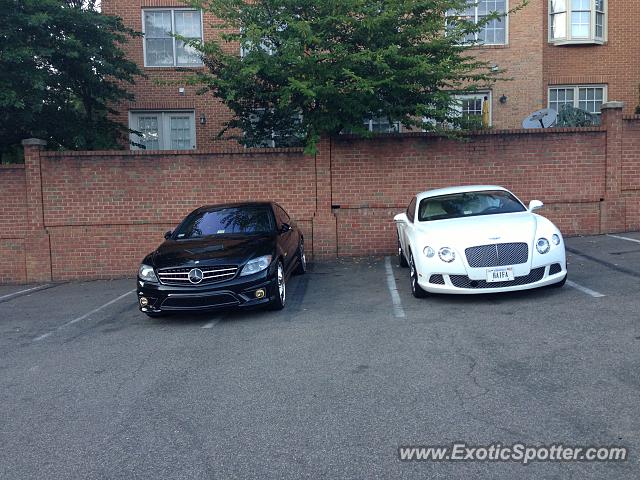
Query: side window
point(411, 210)
point(281, 215)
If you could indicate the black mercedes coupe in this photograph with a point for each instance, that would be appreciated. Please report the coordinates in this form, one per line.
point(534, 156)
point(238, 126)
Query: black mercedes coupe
point(238, 254)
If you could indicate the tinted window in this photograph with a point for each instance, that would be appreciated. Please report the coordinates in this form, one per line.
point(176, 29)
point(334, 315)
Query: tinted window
point(239, 220)
point(468, 204)
point(282, 215)
point(411, 210)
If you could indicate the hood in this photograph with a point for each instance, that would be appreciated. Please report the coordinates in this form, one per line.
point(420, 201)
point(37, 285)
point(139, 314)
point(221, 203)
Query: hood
point(215, 250)
point(480, 230)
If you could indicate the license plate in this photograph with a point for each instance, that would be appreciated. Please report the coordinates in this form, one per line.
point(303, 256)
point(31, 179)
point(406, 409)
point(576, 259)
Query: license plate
point(504, 274)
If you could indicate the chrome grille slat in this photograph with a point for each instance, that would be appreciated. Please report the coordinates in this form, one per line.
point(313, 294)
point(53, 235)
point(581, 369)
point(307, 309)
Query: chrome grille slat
point(497, 255)
point(210, 274)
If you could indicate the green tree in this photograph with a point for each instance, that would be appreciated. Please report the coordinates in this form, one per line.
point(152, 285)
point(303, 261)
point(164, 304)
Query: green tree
point(319, 67)
point(61, 66)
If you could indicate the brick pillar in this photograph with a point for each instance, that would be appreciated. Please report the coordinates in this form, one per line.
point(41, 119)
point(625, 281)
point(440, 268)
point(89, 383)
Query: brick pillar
point(325, 237)
point(612, 209)
point(37, 246)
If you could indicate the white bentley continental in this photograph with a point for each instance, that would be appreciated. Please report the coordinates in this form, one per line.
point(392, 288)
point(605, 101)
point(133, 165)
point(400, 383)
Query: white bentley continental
point(478, 239)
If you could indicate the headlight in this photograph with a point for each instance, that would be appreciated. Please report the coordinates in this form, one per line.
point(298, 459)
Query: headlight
point(542, 245)
point(429, 252)
point(147, 274)
point(447, 254)
point(555, 239)
point(256, 265)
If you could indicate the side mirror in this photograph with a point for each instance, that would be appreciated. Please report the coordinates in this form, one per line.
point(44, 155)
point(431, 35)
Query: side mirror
point(168, 234)
point(535, 205)
point(285, 228)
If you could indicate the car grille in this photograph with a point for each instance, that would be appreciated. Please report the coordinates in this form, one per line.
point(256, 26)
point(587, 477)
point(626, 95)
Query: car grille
point(555, 268)
point(497, 255)
point(180, 276)
point(186, 303)
point(462, 281)
point(436, 279)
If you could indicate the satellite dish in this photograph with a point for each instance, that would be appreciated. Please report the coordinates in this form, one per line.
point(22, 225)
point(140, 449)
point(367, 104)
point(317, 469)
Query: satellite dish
point(544, 118)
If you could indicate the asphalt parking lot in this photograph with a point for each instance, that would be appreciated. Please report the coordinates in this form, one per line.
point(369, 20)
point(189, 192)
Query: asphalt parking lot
point(329, 387)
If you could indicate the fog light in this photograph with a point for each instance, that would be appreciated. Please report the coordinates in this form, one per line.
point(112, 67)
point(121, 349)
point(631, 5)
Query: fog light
point(143, 302)
point(260, 293)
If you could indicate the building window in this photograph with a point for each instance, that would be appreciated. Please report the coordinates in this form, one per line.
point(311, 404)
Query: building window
point(163, 130)
point(161, 48)
point(476, 108)
point(381, 125)
point(494, 32)
point(585, 97)
point(577, 21)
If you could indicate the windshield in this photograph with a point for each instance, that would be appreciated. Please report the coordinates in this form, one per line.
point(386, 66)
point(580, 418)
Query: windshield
point(237, 220)
point(469, 204)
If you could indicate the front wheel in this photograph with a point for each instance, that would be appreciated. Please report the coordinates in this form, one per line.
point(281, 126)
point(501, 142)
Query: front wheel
point(280, 298)
point(561, 283)
point(416, 289)
point(301, 268)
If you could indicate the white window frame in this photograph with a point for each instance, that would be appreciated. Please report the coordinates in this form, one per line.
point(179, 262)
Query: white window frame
point(164, 128)
point(476, 95)
point(173, 29)
point(576, 93)
point(394, 127)
point(505, 19)
point(568, 39)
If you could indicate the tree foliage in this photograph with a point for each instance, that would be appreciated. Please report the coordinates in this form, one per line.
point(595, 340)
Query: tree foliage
point(61, 65)
point(320, 67)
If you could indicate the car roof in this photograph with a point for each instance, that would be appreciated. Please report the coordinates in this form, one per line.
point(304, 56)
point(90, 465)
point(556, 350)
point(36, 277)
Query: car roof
point(460, 189)
point(209, 208)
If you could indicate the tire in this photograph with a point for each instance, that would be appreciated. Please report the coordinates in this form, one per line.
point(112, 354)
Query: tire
point(280, 299)
point(402, 260)
point(416, 289)
point(301, 268)
point(561, 283)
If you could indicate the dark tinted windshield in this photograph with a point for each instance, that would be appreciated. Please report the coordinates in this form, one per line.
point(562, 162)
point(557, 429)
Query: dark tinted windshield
point(237, 220)
point(468, 204)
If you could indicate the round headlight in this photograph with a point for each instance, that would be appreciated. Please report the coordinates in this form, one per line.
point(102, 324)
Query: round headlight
point(555, 239)
point(429, 252)
point(542, 245)
point(447, 254)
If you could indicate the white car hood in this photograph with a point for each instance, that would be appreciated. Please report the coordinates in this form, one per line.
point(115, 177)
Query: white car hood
point(461, 233)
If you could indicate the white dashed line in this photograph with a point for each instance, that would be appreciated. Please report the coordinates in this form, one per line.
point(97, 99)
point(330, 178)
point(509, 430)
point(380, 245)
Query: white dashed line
point(586, 290)
point(619, 237)
point(84, 317)
point(398, 311)
point(22, 292)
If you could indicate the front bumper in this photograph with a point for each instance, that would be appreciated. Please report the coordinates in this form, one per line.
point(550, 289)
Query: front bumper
point(238, 292)
point(461, 284)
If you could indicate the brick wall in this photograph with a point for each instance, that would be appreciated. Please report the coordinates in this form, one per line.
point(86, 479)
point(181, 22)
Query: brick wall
point(69, 215)
point(13, 219)
point(373, 181)
point(111, 209)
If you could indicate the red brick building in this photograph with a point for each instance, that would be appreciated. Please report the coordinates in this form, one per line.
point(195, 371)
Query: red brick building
point(576, 52)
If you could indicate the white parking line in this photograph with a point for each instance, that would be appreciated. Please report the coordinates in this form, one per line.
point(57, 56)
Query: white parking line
point(21, 292)
point(620, 237)
point(83, 317)
point(398, 311)
point(586, 290)
point(211, 324)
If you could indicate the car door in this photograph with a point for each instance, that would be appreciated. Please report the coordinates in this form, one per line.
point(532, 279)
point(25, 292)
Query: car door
point(288, 239)
point(404, 228)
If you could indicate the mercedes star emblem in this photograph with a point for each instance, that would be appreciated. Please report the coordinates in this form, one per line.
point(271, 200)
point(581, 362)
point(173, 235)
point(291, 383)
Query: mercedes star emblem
point(196, 275)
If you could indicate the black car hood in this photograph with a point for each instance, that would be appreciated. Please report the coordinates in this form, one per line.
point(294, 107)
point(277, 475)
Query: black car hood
point(215, 250)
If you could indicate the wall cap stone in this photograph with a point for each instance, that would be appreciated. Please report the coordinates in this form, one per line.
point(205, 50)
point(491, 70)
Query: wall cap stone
point(607, 105)
point(37, 142)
